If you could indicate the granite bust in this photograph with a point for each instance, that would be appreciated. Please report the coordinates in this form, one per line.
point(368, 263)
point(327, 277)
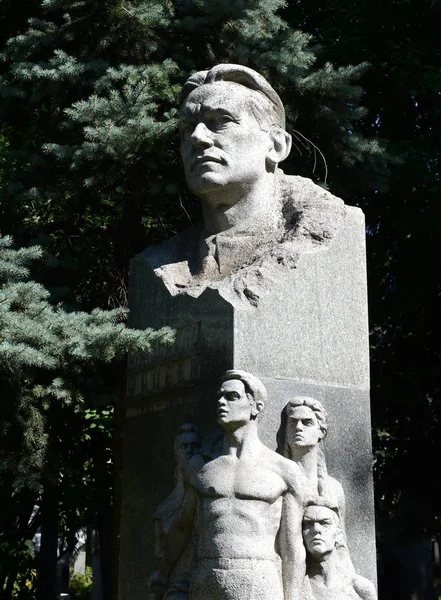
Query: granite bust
point(233, 137)
point(246, 506)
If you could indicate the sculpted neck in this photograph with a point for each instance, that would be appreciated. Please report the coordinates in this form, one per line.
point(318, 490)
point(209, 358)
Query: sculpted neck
point(249, 207)
point(325, 569)
point(242, 440)
point(306, 458)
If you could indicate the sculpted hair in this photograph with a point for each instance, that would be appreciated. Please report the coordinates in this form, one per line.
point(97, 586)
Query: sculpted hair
point(253, 386)
point(283, 446)
point(324, 501)
point(269, 113)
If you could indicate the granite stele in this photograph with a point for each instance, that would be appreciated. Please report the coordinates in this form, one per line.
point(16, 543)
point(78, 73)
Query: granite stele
point(247, 452)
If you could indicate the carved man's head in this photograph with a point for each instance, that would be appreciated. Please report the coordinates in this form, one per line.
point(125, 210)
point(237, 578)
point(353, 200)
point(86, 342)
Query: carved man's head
point(232, 126)
point(321, 529)
point(187, 443)
point(242, 398)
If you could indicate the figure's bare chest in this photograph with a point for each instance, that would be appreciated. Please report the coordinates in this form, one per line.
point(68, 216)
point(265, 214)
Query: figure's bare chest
point(227, 477)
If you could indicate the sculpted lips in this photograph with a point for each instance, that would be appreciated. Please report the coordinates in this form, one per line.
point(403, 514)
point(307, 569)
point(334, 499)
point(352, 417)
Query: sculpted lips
point(200, 160)
point(317, 540)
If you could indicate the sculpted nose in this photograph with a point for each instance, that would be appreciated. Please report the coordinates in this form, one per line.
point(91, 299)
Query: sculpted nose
point(201, 136)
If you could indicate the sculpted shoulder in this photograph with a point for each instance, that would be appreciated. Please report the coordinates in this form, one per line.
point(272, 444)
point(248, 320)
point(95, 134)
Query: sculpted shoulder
point(288, 470)
point(364, 588)
point(311, 213)
point(180, 247)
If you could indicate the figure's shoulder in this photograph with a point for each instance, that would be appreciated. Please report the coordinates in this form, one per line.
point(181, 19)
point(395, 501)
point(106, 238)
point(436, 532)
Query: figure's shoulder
point(364, 588)
point(194, 467)
point(303, 191)
point(178, 248)
point(311, 213)
point(287, 469)
point(335, 487)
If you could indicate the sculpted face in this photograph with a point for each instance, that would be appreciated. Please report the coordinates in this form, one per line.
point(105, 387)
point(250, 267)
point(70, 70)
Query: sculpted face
point(222, 143)
point(234, 406)
point(320, 530)
point(187, 445)
point(303, 427)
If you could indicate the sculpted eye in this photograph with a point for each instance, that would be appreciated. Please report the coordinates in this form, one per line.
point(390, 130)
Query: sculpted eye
point(220, 122)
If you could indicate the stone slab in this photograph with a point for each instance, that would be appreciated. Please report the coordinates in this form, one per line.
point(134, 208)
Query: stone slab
point(302, 330)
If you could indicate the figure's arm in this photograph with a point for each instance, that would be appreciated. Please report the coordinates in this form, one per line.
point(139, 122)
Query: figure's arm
point(175, 542)
point(291, 547)
point(341, 501)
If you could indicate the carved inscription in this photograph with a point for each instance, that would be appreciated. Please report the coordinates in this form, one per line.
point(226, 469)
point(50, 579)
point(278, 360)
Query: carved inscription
point(163, 377)
point(158, 405)
point(167, 367)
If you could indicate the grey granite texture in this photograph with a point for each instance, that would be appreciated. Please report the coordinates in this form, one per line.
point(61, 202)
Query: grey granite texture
point(308, 323)
point(288, 340)
point(272, 282)
point(243, 508)
point(329, 572)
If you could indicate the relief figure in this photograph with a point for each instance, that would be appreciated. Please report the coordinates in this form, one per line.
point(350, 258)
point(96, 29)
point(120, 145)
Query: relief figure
point(247, 504)
point(187, 446)
point(304, 426)
point(329, 575)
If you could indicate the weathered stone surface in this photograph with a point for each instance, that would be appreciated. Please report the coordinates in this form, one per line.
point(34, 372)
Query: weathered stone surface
point(307, 336)
point(329, 571)
point(272, 282)
point(244, 507)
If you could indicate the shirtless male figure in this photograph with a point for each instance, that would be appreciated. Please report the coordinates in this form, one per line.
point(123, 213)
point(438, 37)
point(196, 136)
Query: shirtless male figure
point(248, 506)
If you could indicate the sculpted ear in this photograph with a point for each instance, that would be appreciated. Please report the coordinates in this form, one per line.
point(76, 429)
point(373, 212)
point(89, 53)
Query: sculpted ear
point(280, 146)
point(340, 539)
point(257, 408)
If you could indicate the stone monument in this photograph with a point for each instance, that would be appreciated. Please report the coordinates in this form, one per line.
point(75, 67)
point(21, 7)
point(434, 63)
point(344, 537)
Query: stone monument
point(272, 282)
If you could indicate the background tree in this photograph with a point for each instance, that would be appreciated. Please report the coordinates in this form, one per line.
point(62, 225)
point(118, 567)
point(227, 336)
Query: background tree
point(50, 363)
point(89, 101)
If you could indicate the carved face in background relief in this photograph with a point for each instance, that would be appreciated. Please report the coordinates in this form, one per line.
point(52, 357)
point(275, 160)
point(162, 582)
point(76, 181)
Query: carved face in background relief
point(187, 444)
point(303, 428)
point(222, 142)
point(321, 530)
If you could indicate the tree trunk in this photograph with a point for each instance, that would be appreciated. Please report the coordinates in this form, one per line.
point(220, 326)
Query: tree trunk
point(47, 575)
